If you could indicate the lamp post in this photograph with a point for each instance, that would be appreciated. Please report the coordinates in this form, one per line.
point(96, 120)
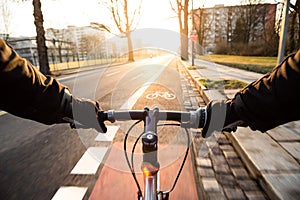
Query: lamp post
point(193, 36)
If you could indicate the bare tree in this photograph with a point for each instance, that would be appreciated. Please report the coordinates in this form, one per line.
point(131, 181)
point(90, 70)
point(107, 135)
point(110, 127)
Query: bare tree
point(254, 31)
point(6, 17)
point(293, 42)
point(181, 9)
point(249, 18)
point(40, 36)
point(93, 45)
point(59, 39)
point(126, 15)
point(202, 24)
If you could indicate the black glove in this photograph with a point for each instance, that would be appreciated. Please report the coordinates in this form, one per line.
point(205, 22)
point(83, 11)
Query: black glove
point(86, 112)
point(83, 113)
point(221, 116)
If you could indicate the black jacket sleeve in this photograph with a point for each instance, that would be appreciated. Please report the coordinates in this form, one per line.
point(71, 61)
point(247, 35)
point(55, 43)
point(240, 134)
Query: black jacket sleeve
point(27, 93)
point(272, 100)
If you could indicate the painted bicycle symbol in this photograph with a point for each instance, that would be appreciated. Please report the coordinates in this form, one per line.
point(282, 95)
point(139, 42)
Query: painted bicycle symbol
point(165, 95)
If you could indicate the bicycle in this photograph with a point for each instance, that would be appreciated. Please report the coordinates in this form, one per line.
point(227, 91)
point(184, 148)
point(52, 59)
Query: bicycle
point(150, 165)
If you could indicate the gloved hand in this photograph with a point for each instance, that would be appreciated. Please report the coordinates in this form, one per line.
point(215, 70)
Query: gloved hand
point(221, 116)
point(86, 112)
point(83, 113)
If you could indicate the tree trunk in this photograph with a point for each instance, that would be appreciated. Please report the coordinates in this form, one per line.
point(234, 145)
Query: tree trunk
point(184, 46)
point(291, 36)
point(130, 47)
point(184, 31)
point(40, 37)
point(298, 12)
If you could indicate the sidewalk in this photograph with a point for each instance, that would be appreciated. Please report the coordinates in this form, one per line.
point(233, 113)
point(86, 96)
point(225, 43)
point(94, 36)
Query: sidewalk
point(272, 158)
point(69, 71)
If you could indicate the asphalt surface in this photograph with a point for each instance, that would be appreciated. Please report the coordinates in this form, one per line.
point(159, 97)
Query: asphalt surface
point(36, 160)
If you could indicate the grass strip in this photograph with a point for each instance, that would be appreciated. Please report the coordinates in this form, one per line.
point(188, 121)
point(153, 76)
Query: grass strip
point(222, 84)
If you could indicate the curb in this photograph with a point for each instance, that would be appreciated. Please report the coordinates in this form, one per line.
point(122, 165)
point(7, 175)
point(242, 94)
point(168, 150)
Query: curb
point(206, 94)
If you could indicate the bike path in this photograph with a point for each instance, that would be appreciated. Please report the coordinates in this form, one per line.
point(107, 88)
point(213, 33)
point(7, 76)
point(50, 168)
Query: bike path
point(272, 158)
point(114, 183)
point(115, 180)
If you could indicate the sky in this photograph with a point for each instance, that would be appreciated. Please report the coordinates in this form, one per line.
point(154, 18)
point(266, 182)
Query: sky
point(60, 13)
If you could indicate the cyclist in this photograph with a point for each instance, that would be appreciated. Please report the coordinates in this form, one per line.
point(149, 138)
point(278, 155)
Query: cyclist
point(27, 93)
point(264, 104)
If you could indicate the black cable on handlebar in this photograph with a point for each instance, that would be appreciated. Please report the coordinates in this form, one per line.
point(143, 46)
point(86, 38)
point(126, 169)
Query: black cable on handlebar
point(182, 165)
point(127, 159)
point(131, 164)
point(133, 149)
point(185, 119)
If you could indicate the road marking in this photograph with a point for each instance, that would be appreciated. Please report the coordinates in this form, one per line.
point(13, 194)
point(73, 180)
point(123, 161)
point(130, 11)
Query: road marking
point(112, 73)
point(70, 193)
point(133, 99)
point(136, 77)
point(109, 135)
point(165, 95)
point(90, 161)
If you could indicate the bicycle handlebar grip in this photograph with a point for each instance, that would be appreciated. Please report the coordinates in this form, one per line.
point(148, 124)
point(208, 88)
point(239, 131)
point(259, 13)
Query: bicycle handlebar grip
point(198, 118)
point(113, 116)
point(202, 117)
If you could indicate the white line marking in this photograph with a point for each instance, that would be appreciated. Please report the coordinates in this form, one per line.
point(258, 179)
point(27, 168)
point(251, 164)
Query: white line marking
point(70, 193)
point(133, 99)
point(90, 161)
point(109, 135)
point(112, 73)
point(136, 77)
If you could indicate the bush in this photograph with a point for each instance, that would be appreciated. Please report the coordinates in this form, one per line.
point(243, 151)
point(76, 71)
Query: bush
point(222, 48)
point(255, 48)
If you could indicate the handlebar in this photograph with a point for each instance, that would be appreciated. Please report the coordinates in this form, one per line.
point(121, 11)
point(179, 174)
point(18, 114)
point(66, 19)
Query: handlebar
point(150, 166)
point(191, 119)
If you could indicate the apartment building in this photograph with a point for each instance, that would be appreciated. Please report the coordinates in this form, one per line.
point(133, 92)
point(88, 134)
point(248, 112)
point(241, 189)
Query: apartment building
point(229, 24)
point(83, 42)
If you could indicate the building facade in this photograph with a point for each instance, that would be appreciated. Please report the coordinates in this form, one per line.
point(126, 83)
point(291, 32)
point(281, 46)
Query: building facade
point(64, 45)
point(234, 24)
point(82, 42)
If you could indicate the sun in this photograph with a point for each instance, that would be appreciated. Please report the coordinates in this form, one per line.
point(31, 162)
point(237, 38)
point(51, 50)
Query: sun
point(158, 14)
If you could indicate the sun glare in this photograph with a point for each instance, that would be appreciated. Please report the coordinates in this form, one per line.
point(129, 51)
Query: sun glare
point(61, 13)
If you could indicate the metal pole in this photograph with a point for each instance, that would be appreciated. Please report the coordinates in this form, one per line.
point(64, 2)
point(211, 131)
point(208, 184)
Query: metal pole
point(283, 32)
point(193, 58)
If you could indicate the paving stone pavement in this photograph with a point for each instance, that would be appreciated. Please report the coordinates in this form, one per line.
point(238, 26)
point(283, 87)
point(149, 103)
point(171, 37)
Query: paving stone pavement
point(220, 172)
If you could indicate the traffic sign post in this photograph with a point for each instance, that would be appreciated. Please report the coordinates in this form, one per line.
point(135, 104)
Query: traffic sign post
point(193, 37)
